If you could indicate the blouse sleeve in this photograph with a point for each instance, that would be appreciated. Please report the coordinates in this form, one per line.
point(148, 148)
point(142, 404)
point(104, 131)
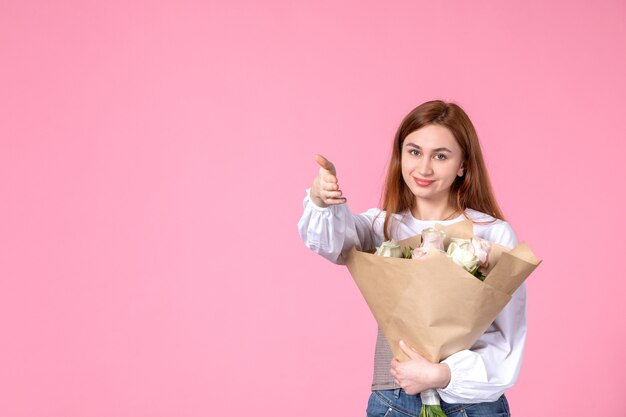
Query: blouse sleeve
point(332, 231)
point(484, 372)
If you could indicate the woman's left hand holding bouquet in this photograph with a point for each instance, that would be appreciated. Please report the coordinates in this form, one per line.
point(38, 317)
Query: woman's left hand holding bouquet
point(418, 374)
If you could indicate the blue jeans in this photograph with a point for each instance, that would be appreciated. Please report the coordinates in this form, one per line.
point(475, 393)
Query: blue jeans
point(397, 403)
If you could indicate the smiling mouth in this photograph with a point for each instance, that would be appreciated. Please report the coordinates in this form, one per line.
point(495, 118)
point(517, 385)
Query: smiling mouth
point(422, 182)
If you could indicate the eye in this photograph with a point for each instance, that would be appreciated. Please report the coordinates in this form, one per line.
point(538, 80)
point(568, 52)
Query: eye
point(414, 152)
point(440, 156)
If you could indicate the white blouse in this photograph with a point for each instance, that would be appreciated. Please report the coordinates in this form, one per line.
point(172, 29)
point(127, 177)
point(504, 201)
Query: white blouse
point(491, 366)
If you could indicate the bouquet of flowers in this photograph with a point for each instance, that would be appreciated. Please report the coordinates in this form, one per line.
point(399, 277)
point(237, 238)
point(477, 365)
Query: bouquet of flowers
point(422, 296)
point(470, 254)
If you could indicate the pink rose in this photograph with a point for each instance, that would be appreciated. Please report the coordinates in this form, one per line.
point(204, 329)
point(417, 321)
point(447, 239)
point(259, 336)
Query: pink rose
point(481, 248)
point(434, 237)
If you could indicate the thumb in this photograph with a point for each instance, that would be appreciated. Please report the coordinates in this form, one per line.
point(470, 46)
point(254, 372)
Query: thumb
point(408, 350)
point(325, 163)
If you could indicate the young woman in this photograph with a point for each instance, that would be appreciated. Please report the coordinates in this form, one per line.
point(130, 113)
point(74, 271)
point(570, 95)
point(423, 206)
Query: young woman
point(436, 175)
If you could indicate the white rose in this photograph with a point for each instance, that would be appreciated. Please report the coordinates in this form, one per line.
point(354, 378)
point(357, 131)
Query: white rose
point(389, 249)
point(463, 255)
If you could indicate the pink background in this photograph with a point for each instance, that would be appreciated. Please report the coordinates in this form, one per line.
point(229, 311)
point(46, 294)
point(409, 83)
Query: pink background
point(153, 161)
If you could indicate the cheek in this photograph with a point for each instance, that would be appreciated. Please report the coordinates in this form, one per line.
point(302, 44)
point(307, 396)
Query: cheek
point(407, 167)
point(406, 172)
point(452, 171)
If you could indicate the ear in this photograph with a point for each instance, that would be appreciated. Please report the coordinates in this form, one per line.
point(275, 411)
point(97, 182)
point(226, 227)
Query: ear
point(461, 171)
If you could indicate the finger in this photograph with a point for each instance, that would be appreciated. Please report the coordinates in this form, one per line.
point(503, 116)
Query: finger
point(335, 201)
point(407, 350)
point(330, 186)
point(325, 163)
point(328, 177)
point(333, 194)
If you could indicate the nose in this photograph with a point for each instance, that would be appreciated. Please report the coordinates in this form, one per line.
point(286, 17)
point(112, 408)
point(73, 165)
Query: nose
point(425, 167)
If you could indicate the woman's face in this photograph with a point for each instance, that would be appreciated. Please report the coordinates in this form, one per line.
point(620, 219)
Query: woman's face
point(431, 160)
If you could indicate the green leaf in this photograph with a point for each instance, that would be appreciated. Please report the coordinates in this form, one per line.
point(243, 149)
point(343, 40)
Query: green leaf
point(431, 411)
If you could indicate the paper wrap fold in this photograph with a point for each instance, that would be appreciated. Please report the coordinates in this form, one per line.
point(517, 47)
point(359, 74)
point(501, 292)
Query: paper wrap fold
point(433, 304)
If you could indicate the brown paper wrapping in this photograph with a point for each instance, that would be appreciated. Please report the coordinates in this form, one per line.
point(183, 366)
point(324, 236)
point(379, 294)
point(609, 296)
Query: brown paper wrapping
point(433, 304)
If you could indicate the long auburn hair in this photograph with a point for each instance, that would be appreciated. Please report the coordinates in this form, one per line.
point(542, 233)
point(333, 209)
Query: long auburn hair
point(472, 190)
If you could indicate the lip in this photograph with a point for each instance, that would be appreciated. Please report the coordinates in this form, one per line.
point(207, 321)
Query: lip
point(422, 182)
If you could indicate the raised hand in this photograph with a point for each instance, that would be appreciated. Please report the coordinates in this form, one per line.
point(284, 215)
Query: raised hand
point(325, 189)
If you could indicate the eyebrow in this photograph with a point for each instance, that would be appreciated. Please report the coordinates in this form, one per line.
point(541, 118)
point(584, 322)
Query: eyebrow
point(434, 150)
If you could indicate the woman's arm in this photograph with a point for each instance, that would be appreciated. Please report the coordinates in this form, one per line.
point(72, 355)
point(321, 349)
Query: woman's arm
point(327, 226)
point(484, 372)
point(491, 366)
point(332, 231)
